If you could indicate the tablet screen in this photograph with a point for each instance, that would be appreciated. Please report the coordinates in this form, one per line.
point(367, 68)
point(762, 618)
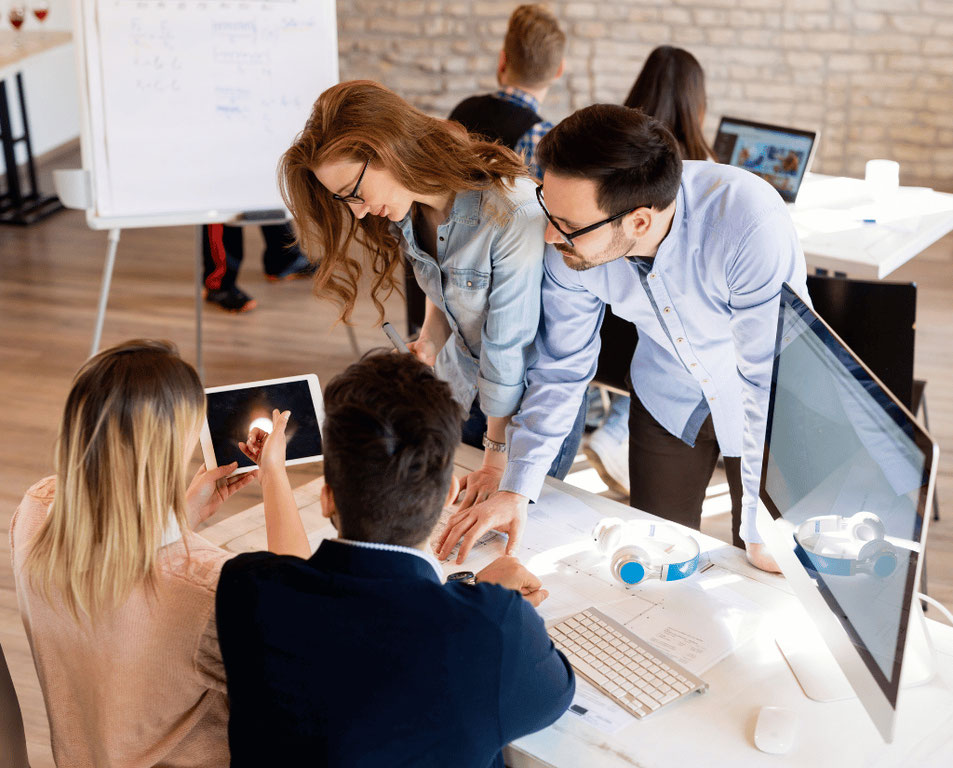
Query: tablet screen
point(232, 413)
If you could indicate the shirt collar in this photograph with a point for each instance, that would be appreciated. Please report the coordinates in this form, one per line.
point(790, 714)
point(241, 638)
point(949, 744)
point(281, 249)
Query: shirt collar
point(518, 96)
point(674, 236)
point(426, 556)
point(465, 210)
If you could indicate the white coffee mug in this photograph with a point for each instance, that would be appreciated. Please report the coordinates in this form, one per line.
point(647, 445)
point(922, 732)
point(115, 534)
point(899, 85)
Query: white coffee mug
point(882, 178)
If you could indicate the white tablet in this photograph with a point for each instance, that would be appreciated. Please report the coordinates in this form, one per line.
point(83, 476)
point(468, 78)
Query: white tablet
point(233, 410)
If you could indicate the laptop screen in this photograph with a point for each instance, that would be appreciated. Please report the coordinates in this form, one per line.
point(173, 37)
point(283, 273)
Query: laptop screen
point(778, 155)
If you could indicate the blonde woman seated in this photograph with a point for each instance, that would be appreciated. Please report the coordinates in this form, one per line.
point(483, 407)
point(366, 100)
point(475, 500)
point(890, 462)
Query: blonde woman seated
point(116, 592)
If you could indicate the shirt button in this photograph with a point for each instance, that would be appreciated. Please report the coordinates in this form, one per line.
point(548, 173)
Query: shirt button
point(694, 365)
point(704, 381)
point(441, 238)
point(711, 398)
point(679, 339)
point(469, 284)
point(667, 309)
point(653, 275)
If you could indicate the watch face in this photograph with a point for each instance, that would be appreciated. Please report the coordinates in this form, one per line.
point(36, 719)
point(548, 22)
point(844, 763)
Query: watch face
point(464, 576)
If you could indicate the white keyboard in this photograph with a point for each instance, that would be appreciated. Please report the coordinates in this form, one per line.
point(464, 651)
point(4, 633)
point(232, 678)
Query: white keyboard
point(632, 673)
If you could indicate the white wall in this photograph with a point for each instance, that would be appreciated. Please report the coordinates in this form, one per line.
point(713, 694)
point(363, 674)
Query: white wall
point(49, 80)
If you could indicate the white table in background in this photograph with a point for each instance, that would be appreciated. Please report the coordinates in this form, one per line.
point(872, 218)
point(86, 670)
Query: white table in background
point(715, 728)
point(829, 217)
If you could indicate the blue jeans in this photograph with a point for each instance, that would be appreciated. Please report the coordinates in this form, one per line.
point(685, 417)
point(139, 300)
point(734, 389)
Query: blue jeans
point(475, 427)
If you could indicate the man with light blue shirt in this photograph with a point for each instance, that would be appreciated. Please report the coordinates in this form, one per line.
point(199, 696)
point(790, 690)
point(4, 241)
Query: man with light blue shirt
point(694, 255)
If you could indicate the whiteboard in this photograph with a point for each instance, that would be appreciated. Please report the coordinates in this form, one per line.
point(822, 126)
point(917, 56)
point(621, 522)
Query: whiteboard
point(187, 105)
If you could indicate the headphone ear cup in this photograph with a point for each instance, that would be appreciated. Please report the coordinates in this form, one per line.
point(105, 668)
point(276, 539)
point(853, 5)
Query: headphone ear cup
point(629, 564)
point(878, 557)
point(608, 534)
point(866, 526)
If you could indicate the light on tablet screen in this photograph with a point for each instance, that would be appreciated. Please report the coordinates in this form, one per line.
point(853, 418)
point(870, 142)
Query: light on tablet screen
point(263, 424)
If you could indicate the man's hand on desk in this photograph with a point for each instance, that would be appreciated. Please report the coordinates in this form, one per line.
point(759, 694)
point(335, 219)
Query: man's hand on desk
point(503, 511)
point(759, 557)
point(508, 572)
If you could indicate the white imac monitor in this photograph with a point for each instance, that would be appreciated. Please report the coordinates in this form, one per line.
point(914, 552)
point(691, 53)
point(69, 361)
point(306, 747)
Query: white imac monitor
point(845, 487)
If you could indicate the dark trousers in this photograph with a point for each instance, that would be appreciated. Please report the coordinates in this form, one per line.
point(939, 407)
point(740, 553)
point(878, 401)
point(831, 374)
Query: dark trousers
point(475, 426)
point(223, 251)
point(668, 477)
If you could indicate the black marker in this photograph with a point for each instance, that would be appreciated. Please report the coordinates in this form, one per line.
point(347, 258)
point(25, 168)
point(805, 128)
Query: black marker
point(395, 338)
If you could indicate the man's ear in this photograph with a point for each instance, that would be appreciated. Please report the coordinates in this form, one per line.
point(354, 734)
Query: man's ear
point(328, 509)
point(454, 491)
point(501, 67)
point(561, 70)
point(638, 223)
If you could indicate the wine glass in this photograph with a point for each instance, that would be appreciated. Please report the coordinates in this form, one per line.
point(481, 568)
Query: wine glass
point(41, 9)
point(17, 16)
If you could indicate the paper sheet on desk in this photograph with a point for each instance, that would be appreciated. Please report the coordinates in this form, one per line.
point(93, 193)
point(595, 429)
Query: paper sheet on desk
point(697, 623)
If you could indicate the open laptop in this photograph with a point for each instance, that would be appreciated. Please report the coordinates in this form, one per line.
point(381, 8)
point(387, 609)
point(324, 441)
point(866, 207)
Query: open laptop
point(781, 156)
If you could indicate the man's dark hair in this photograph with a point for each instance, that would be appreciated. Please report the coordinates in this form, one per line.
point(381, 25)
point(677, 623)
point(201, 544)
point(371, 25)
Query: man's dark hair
point(632, 158)
point(390, 431)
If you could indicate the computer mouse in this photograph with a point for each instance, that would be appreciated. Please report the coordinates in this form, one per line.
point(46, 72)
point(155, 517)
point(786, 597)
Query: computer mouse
point(775, 730)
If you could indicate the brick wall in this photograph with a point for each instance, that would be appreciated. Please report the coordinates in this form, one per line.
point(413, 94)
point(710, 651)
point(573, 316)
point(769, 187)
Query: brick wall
point(876, 76)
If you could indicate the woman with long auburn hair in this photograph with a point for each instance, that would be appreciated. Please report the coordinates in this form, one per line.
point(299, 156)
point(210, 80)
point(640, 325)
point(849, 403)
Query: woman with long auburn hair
point(116, 592)
point(418, 191)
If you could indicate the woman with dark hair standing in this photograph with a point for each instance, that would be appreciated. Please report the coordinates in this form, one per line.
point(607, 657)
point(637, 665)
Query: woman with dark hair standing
point(413, 189)
point(670, 88)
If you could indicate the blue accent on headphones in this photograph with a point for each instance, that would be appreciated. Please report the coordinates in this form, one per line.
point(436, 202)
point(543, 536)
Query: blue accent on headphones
point(633, 572)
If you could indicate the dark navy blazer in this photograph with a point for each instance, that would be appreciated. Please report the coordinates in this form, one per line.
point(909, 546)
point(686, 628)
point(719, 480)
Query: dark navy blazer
point(361, 657)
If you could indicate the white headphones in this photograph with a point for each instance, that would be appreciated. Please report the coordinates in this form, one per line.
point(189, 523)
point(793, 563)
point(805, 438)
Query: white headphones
point(640, 549)
point(844, 546)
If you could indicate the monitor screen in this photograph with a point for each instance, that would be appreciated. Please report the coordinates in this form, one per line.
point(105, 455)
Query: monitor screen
point(778, 155)
point(845, 476)
point(232, 413)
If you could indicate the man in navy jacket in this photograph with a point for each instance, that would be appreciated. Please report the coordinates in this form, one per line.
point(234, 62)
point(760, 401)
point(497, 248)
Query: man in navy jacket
point(360, 656)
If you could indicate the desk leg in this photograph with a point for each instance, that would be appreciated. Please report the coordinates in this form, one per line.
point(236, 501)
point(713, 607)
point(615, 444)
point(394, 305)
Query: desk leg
point(15, 206)
point(113, 245)
point(199, 282)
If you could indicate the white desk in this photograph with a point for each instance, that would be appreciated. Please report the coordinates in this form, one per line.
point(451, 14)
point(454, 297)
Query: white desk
point(829, 218)
point(715, 728)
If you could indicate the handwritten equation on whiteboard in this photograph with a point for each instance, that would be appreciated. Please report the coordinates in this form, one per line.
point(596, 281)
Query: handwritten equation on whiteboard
point(201, 98)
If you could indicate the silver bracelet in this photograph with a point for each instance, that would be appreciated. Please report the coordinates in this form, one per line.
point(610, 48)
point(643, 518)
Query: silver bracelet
point(492, 445)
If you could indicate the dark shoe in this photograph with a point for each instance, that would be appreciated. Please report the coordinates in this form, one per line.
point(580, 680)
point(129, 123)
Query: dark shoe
point(231, 300)
point(298, 268)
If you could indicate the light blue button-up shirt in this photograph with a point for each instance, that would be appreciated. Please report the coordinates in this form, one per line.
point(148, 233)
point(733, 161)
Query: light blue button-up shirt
point(706, 308)
point(486, 280)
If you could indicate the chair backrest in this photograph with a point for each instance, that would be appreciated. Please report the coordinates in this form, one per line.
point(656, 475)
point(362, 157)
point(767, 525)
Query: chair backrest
point(12, 739)
point(619, 338)
point(877, 320)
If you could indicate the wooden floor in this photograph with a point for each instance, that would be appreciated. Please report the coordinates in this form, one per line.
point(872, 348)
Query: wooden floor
point(49, 281)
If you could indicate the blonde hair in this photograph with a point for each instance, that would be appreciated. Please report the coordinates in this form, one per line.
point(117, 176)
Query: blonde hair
point(120, 472)
point(534, 45)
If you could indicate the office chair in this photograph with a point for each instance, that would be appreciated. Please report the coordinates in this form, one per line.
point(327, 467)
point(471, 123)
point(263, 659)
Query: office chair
point(12, 739)
point(878, 321)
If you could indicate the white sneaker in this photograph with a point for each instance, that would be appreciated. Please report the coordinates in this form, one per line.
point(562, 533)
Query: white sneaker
point(610, 458)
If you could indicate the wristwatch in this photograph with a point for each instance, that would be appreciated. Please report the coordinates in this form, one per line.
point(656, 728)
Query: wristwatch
point(462, 577)
point(492, 445)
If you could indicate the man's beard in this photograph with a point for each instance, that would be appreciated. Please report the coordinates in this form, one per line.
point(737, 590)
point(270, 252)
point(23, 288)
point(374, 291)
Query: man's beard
point(617, 248)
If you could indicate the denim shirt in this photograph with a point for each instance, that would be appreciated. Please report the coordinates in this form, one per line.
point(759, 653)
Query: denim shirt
point(706, 308)
point(486, 280)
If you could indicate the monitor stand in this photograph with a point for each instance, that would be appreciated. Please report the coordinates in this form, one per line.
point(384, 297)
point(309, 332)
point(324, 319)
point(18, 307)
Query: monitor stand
point(822, 679)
